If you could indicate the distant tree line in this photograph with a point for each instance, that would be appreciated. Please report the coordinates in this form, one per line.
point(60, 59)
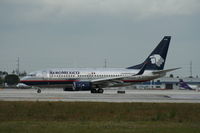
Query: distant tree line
point(3, 73)
point(10, 79)
point(2, 77)
point(24, 73)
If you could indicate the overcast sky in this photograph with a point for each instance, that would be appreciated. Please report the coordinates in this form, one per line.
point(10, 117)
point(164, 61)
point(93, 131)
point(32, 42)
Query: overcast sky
point(82, 33)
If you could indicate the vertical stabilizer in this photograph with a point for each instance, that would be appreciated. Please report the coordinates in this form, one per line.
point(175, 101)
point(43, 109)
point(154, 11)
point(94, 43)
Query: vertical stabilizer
point(184, 85)
point(156, 60)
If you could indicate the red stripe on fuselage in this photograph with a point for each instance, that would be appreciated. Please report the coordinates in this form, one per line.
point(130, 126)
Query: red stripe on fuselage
point(49, 80)
point(76, 80)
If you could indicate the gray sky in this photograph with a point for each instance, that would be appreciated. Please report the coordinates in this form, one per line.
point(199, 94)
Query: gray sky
point(82, 33)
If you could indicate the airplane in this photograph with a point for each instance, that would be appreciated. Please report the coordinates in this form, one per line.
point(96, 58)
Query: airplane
point(95, 79)
point(186, 86)
point(22, 86)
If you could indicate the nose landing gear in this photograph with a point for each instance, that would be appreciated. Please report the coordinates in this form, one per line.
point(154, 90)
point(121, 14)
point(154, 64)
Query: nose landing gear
point(38, 90)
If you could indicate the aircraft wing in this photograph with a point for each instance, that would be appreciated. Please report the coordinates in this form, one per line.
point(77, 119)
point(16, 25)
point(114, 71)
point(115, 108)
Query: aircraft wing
point(109, 79)
point(118, 79)
point(165, 71)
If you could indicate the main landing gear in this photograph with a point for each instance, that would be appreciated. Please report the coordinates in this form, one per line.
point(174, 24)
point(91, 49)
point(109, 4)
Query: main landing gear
point(38, 90)
point(99, 90)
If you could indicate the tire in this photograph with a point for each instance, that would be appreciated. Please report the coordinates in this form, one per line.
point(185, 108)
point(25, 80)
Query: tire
point(38, 90)
point(100, 91)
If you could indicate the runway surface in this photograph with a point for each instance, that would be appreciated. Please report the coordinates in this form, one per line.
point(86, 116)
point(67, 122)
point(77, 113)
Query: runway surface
point(157, 96)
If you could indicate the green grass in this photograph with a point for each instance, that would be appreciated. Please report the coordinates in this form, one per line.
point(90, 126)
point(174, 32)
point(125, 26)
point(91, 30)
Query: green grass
point(97, 127)
point(86, 117)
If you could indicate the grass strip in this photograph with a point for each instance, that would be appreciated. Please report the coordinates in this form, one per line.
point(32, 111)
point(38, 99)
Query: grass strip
point(94, 111)
point(97, 127)
point(98, 117)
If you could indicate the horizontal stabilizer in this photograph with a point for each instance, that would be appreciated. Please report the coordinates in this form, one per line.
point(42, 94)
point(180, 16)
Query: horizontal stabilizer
point(165, 71)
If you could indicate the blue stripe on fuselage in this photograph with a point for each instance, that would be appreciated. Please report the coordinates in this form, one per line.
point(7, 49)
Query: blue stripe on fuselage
point(47, 82)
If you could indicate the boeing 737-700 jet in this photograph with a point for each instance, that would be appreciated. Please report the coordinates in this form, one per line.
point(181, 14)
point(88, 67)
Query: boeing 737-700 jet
point(95, 79)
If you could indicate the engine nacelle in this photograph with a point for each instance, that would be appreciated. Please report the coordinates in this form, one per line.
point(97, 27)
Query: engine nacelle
point(81, 85)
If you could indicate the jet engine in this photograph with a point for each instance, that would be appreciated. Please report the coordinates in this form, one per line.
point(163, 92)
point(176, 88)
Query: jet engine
point(81, 85)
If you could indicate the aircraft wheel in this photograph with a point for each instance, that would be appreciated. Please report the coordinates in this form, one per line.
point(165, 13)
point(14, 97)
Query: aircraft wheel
point(38, 90)
point(100, 90)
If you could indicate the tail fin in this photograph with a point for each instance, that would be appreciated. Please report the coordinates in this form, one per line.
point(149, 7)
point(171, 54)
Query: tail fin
point(184, 85)
point(156, 60)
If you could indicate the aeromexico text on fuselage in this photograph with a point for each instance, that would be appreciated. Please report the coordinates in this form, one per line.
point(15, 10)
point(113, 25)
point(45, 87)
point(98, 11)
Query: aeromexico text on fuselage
point(64, 72)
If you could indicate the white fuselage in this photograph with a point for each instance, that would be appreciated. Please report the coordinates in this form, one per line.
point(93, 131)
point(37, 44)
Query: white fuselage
point(66, 76)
